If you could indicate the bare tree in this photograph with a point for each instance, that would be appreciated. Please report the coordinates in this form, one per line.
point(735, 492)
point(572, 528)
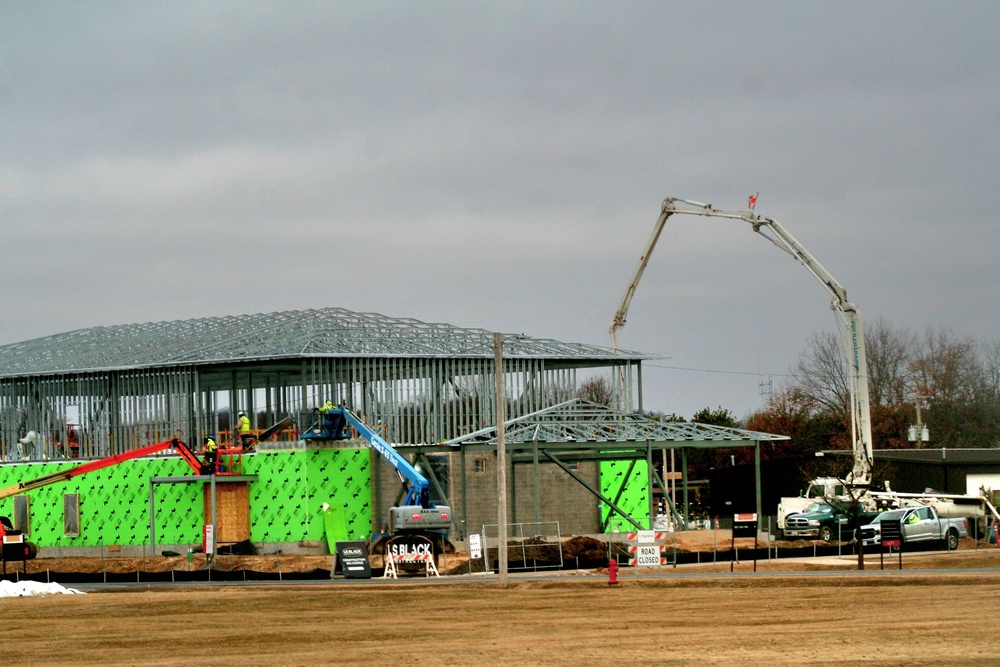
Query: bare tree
point(821, 372)
point(820, 375)
point(947, 368)
point(989, 353)
point(957, 377)
point(889, 352)
point(598, 390)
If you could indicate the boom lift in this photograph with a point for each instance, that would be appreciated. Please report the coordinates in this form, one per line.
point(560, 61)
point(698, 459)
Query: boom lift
point(65, 475)
point(7, 532)
point(417, 514)
point(861, 437)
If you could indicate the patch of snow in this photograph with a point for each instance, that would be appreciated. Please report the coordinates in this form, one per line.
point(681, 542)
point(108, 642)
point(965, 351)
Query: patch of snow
point(20, 589)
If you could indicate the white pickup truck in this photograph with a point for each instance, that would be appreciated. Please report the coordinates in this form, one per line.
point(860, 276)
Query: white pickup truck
point(919, 524)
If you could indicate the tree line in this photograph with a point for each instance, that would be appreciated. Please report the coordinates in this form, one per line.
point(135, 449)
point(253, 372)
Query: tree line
point(953, 378)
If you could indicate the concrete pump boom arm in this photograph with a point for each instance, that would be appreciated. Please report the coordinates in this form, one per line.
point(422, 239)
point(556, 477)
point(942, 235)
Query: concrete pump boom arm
point(861, 435)
point(618, 321)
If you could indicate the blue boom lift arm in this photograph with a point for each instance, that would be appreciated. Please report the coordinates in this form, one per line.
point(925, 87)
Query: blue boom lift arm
point(417, 513)
point(335, 428)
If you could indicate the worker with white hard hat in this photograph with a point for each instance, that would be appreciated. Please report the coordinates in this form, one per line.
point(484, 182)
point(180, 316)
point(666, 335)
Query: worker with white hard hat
point(243, 428)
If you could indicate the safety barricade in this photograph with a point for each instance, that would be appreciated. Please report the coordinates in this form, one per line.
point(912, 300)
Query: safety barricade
point(646, 549)
point(392, 560)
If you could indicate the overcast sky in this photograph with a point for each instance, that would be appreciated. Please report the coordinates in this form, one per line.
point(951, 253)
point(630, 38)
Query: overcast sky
point(501, 165)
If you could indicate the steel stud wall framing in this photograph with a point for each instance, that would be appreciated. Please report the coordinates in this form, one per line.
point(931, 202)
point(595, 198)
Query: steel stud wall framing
point(412, 400)
point(126, 386)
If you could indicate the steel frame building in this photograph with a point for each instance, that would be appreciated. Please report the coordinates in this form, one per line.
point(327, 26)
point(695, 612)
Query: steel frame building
point(99, 391)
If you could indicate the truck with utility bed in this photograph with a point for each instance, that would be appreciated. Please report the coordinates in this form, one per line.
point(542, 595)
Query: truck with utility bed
point(918, 524)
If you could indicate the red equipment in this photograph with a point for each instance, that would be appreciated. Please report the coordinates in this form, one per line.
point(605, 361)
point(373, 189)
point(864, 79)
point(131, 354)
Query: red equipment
point(64, 475)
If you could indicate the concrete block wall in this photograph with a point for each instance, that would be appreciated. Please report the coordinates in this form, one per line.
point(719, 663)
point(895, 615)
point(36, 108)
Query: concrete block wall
point(562, 498)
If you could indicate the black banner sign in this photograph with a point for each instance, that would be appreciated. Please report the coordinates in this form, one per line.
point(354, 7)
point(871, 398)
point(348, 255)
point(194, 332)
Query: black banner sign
point(745, 525)
point(352, 560)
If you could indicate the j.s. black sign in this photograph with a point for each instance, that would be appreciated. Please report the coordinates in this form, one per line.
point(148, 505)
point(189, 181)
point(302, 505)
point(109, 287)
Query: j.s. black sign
point(411, 547)
point(352, 560)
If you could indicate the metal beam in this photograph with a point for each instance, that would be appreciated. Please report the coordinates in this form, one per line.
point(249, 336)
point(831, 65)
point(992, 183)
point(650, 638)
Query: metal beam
point(594, 491)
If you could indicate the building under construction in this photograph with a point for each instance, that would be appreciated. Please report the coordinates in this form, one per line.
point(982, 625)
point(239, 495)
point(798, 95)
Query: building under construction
point(108, 389)
point(429, 388)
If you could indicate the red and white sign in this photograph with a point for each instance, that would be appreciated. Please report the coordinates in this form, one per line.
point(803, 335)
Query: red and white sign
point(646, 536)
point(646, 555)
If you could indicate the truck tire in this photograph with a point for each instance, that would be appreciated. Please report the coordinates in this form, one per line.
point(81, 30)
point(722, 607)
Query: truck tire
point(826, 533)
point(951, 540)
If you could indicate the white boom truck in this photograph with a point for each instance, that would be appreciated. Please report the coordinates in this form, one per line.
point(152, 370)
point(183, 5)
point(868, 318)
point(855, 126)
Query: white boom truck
point(856, 484)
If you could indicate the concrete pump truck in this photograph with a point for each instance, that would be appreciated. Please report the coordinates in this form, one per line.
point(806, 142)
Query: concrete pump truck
point(855, 486)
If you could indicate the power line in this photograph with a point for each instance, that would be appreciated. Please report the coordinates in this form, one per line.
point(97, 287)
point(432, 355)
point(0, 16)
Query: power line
point(709, 370)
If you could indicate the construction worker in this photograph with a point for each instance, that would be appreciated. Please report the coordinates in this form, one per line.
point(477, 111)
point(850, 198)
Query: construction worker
point(325, 409)
point(243, 428)
point(211, 452)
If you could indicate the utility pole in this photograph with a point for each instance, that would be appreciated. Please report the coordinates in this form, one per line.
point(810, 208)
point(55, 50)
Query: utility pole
point(501, 410)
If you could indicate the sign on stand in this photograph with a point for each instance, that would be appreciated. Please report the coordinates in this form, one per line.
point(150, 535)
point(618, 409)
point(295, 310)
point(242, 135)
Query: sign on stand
point(208, 544)
point(744, 525)
point(410, 553)
point(475, 547)
point(892, 536)
point(352, 560)
point(647, 550)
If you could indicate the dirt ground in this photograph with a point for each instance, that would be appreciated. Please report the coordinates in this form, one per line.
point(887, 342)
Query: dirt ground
point(573, 621)
point(781, 618)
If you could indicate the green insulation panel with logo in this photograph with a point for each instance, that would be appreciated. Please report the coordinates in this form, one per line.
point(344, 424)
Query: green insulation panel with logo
point(285, 499)
point(626, 483)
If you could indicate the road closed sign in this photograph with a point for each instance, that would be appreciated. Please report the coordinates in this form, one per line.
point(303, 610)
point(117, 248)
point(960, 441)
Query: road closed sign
point(647, 555)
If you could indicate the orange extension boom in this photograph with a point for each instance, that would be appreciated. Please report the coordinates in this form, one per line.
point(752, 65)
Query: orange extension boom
point(63, 475)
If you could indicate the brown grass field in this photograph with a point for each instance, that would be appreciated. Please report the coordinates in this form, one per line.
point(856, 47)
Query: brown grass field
point(875, 618)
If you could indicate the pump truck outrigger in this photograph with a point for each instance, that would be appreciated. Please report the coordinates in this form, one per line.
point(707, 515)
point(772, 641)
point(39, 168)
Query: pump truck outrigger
point(417, 514)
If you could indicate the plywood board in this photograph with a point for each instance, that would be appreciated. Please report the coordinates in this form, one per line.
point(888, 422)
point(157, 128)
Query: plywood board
point(232, 511)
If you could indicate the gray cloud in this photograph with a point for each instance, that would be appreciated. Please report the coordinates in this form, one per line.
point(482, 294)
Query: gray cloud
point(501, 165)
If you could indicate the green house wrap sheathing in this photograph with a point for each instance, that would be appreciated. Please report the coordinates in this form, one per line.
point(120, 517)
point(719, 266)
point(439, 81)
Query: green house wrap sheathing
point(285, 500)
point(628, 490)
